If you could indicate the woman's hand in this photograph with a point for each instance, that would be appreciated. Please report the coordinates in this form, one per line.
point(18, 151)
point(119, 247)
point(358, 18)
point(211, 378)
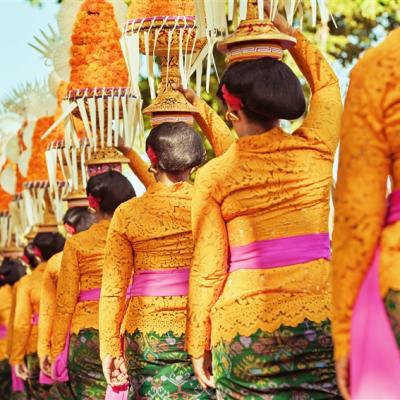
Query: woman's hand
point(22, 371)
point(342, 377)
point(190, 94)
point(115, 371)
point(203, 371)
point(45, 365)
point(279, 21)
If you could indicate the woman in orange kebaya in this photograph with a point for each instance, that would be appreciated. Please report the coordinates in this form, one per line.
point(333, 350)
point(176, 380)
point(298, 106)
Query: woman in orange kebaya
point(259, 292)
point(76, 219)
point(11, 271)
point(366, 240)
point(78, 290)
point(25, 329)
point(150, 241)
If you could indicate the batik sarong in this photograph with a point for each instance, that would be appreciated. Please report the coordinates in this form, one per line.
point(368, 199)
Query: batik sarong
point(5, 379)
point(290, 363)
point(392, 305)
point(84, 366)
point(159, 368)
point(37, 390)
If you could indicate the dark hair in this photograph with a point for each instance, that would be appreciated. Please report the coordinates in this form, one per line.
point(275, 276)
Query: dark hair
point(11, 271)
point(49, 243)
point(79, 217)
point(111, 188)
point(177, 145)
point(268, 88)
point(30, 256)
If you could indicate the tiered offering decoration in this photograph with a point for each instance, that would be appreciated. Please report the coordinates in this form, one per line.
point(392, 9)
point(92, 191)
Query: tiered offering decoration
point(99, 91)
point(168, 30)
point(71, 162)
point(255, 38)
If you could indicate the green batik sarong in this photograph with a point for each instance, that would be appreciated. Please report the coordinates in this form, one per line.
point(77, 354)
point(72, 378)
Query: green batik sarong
point(37, 390)
point(160, 369)
point(19, 396)
point(392, 303)
point(5, 379)
point(290, 363)
point(84, 366)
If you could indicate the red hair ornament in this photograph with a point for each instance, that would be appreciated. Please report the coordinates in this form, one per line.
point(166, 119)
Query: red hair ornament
point(94, 202)
point(234, 102)
point(152, 156)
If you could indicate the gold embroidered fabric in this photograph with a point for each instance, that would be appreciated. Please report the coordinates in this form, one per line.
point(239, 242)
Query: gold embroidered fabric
point(25, 335)
point(5, 307)
point(370, 153)
point(47, 311)
point(150, 232)
point(81, 269)
point(265, 186)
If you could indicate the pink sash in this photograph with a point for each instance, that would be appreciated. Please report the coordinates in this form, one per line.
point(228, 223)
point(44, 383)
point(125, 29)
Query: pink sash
point(59, 369)
point(117, 393)
point(17, 383)
point(282, 252)
point(3, 331)
point(43, 378)
point(375, 357)
point(170, 282)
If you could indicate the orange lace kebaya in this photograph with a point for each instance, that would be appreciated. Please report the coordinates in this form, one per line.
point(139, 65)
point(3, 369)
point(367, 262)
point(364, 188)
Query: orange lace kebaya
point(370, 153)
point(266, 186)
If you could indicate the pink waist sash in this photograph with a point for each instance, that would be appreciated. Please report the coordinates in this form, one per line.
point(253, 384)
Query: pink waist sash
point(171, 282)
point(282, 252)
point(89, 295)
point(374, 356)
point(59, 368)
point(17, 383)
point(3, 331)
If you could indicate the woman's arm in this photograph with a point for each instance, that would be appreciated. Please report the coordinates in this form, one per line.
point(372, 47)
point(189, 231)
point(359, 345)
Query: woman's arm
point(212, 125)
point(138, 166)
point(67, 297)
point(47, 311)
point(209, 266)
point(117, 271)
point(22, 322)
point(325, 109)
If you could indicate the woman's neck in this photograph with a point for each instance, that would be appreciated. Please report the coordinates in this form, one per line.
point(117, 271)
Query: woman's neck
point(169, 179)
point(101, 216)
point(252, 128)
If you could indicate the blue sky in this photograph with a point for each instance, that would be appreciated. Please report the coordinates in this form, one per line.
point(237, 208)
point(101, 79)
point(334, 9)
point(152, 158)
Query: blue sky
point(19, 22)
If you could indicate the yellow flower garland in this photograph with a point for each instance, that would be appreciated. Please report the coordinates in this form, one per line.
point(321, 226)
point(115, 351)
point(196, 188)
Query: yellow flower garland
point(96, 55)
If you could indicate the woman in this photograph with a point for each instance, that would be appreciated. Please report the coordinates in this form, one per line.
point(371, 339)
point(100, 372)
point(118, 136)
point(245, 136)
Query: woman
point(76, 219)
point(25, 329)
point(259, 294)
point(11, 271)
point(366, 256)
point(150, 241)
point(78, 289)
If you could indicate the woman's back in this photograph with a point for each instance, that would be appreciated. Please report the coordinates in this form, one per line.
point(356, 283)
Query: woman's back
point(156, 232)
